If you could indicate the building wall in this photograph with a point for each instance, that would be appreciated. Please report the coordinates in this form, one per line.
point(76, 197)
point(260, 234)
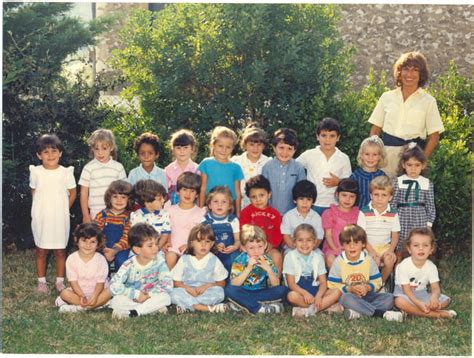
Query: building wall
point(380, 34)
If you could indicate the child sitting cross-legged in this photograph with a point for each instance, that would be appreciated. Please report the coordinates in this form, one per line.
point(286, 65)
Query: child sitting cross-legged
point(86, 271)
point(254, 278)
point(357, 277)
point(305, 275)
point(151, 196)
point(199, 276)
point(143, 283)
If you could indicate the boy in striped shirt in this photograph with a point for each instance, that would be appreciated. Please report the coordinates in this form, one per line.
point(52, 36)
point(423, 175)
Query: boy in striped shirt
point(382, 225)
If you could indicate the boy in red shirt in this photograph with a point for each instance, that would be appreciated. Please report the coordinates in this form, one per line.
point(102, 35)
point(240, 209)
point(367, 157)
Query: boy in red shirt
point(259, 213)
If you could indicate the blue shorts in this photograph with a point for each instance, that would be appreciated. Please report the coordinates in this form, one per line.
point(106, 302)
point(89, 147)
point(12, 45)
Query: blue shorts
point(306, 283)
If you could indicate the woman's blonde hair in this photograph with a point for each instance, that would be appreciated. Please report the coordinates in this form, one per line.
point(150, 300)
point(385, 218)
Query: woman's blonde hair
point(374, 141)
point(222, 132)
point(252, 233)
point(102, 135)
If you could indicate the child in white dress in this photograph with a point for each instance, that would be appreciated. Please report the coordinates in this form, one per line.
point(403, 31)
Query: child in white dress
point(53, 188)
point(199, 276)
point(87, 272)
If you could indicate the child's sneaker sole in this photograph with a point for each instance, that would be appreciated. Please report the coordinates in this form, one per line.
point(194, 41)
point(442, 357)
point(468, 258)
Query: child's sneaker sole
point(234, 306)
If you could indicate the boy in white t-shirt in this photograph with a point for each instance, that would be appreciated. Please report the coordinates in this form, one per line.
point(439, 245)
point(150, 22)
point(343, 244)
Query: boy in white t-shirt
point(326, 165)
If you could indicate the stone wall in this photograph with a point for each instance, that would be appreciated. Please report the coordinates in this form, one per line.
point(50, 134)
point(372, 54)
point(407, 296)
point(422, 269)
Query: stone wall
point(380, 34)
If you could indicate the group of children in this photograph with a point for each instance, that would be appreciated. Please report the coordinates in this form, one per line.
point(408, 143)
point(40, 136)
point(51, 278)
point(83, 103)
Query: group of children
point(241, 229)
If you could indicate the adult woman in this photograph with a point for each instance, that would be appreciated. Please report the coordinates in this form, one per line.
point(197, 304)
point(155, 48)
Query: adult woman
point(407, 113)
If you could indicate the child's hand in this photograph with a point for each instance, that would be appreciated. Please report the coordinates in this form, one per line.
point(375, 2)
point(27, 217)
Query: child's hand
point(331, 181)
point(318, 303)
point(376, 259)
point(229, 249)
point(86, 219)
point(192, 291)
point(308, 298)
point(183, 248)
point(201, 289)
point(422, 306)
point(220, 247)
point(263, 263)
point(166, 247)
point(92, 301)
point(109, 254)
point(389, 257)
point(83, 301)
point(142, 297)
point(434, 304)
point(252, 262)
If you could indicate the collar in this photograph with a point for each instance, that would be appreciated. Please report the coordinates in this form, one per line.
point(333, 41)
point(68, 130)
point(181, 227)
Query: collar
point(362, 257)
point(152, 171)
point(146, 211)
point(377, 213)
point(422, 181)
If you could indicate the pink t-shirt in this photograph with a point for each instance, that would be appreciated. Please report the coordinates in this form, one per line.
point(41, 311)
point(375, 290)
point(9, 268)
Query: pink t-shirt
point(87, 274)
point(173, 171)
point(335, 219)
point(182, 221)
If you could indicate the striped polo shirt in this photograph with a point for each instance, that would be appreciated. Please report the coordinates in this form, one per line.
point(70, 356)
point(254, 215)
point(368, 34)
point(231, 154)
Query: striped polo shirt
point(378, 226)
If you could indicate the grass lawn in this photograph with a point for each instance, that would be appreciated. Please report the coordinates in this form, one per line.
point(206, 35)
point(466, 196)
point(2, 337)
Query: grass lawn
point(31, 324)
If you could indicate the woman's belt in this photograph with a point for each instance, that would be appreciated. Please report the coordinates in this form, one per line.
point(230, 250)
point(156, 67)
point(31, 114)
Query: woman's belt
point(393, 141)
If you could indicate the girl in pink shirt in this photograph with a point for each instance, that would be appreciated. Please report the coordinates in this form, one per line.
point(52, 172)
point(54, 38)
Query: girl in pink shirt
point(183, 144)
point(338, 216)
point(86, 272)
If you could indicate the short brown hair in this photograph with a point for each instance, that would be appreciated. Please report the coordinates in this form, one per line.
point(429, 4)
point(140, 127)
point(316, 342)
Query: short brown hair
point(354, 233)
point(141, 232)
point(414, 59)
point(220, 189)
point(425, 231)
point(88, 231)
point(252, 233)
point(117, 187)
point(145, 191)
point(252, 133)
point(200, 232)
point(189, 180)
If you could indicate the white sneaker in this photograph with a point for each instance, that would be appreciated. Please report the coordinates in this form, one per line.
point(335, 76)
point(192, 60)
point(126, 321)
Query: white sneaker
point(335, 308)
point(70, 309)
point(393, 316)
point(298, 312)
point(452, 314)
point(163, 310)
point(219, 308)
point(351, 314)
point(120, 314)
point(277, 306)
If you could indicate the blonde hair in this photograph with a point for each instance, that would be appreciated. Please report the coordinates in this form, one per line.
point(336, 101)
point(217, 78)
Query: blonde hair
point(102, 135)
point(305, 227)
point(374, 141)
point(382, 182)
point(222, 132)
point(252, 133)
point(252, 233)
point(220, 189)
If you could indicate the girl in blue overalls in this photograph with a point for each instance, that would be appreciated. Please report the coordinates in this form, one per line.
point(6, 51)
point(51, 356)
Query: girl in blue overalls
point(199, 277)
point(114, 221)
point(224, 224)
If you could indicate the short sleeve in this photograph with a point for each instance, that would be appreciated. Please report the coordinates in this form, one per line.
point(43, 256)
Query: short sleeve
point(396, 223)
point(346, 169)
point(220, 273)
point(85, 178)
point(301, 172)
point(302, 159)
point(402, 276)
point(433, 119)
point(235, 225)
point(202, 167)
point(327, 219)
point(286, 225)
point(321, 266)
point(433, 273)
point(102, 269)
point(177, 271)
point(239, 173)
point(33, 176)
point(288, 265)
point(362, 223)
point(71, 268)
point(71, 181)
point(166, 225)
point(378, 114)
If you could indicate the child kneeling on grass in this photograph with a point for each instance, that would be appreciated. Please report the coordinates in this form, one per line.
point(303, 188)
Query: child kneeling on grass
point(86, 271)
point(414, 273)
point(143, 282)
point(248, 289)
point(358, 278)
point(305, 275)
point(199, 276)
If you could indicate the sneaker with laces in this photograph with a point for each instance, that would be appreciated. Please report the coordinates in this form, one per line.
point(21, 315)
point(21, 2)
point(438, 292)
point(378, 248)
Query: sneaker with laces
point(70, 309)
point(299, 312)
point(42, 287)
point(234, 306)
point(393, 316)
point(452, 314)
point(277, 306)
point(219, 308)
point(163, 310)
point(335, 308)
point(120, 314)
point(351, 314)
point(181, 310)
point(60, 286)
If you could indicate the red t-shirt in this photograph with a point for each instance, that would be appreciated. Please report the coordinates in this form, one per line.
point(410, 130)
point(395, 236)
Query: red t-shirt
point(268, 219)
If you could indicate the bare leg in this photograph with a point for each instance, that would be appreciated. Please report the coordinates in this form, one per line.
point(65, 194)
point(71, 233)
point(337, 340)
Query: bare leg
point(405, 306)
point(330, 297)
point(296, 299)
point(329, 260)
point(41, 261)
point(60, 256)
point(389, 264)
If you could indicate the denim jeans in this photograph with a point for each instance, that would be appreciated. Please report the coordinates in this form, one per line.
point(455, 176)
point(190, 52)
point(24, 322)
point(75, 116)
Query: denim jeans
point(250, 298)
point(367, 305)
